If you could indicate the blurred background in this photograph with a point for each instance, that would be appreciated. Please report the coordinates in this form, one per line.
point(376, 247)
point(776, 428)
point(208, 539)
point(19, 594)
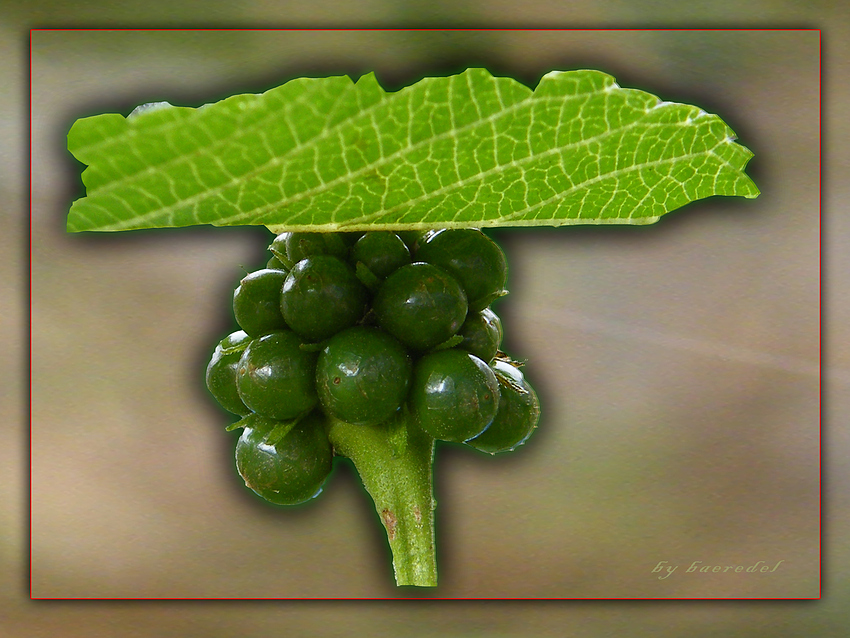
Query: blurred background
point(678, 364)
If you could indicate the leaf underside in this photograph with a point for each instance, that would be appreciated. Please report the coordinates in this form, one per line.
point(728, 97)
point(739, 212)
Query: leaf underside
point(330, 154)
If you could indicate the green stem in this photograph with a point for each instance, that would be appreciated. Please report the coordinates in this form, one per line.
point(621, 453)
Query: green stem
point(395, 462)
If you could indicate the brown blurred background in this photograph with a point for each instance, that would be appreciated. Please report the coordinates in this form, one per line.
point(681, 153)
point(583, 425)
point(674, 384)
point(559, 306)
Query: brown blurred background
point(677, 365)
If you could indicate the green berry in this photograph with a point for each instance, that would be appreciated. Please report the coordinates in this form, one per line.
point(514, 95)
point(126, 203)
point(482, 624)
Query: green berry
point(221, 372)
point(362, 376)
point(381, 252)
point(276, 377)
point(421, 305)
point(287, 471)
point(302, 245)
point(517, 416)
point(482, 334)
point(321, 296)
point(474, 259)
point(256, 302)
point(454, 395)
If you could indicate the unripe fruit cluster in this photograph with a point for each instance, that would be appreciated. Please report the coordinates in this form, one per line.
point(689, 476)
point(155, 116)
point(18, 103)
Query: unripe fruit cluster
point(364, 328)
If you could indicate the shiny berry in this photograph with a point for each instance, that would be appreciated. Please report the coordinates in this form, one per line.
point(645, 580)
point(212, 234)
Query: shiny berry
point(276, 376)
point(474, 259)
point(362, 375)
point(482, 334)
point(381, 252)
point(221, 372)
point(517, 416)
point(421, 305)
point(454, 395)
point(256, 302)
point(285, 464)
point(321, 296)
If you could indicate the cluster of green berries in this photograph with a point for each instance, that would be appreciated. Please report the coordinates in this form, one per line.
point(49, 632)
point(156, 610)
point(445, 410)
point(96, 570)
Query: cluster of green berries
point(360, 327)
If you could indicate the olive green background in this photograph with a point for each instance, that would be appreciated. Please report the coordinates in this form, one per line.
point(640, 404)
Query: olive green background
point(677, 364)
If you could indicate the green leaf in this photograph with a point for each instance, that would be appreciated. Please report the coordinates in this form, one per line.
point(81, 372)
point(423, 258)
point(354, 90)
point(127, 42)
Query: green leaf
point(471, 149)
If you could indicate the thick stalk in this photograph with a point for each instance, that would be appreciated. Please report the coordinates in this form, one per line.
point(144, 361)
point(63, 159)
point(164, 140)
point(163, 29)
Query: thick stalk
point(395, 462)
